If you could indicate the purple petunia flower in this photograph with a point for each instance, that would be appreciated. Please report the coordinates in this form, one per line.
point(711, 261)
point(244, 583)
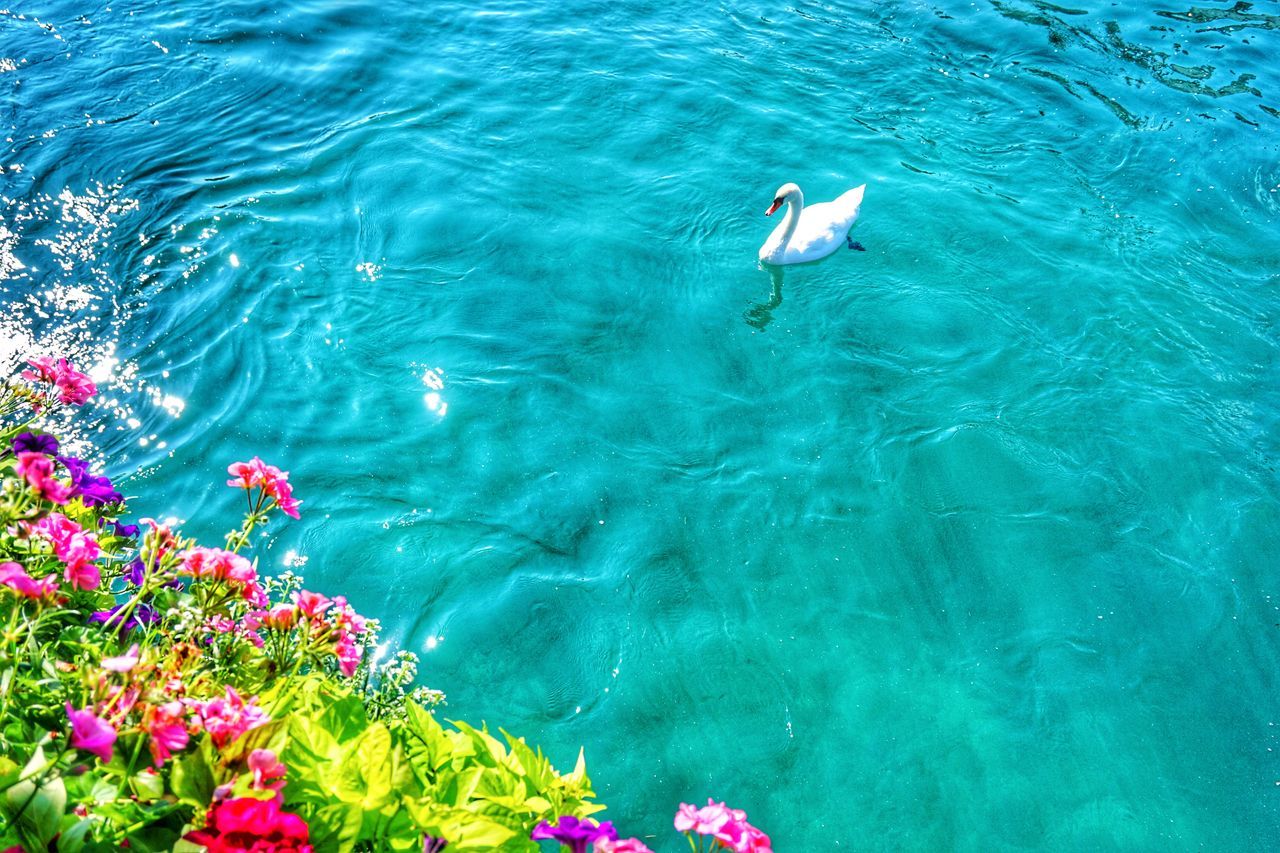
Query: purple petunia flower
point(136, 572)
point(94, 491)
point(143, 614)
point(29, 442)
point(574, 833)
point(432, 844)
point(120, 529)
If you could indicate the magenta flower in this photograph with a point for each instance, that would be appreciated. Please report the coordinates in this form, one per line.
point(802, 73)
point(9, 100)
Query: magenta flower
point(225, 719)
point(268, 770)
point(91, 733)
point(73, 386)
point(16, 578)
point(75, 547)
point(168, 731)
point(348, 654)
point(37, 469)
point(574, 833)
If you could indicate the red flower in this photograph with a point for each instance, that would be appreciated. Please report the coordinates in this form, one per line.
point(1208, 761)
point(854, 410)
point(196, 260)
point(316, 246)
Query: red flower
point(245, 824)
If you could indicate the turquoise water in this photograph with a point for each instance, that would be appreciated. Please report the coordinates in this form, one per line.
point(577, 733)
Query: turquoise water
point(965, 542)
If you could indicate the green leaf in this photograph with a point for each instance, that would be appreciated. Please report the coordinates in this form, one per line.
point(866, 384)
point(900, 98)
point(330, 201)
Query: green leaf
point(465, 830)
point(360, 778)
point(72, 839)
point(191, 779)
point(335, 826)
point(36, 811)
point(147, 785)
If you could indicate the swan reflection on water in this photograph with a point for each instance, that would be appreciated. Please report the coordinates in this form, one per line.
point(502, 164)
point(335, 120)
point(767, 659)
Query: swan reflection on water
point(760, 314)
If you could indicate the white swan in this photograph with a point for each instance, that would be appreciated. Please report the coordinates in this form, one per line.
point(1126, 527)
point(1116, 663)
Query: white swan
point(810, 233)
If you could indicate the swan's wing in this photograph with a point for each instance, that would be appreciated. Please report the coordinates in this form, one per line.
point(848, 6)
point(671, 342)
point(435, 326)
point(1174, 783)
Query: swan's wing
point(849, 202)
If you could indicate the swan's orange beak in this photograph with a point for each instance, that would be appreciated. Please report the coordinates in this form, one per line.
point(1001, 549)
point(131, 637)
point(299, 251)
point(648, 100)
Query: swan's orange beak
point(777, 203)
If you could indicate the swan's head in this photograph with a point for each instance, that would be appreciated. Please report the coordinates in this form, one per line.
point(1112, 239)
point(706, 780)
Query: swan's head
point(786, 193)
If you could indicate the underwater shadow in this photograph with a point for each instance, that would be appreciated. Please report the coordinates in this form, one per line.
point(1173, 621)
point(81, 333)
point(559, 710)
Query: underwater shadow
point(760, 314)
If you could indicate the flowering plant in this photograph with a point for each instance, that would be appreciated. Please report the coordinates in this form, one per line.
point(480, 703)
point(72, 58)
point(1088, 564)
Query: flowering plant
point(156, 693)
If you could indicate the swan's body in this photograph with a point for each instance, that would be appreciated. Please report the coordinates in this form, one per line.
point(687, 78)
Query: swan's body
point(809, 233)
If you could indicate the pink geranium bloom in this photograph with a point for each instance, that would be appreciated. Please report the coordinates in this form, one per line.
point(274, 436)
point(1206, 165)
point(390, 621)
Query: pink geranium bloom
point(160, 539)
point(348, 654)
point(707, 820)
point(312, 604)
point(281, 617)
point(164, 723)
point(38, 469)
point(16, 578)
point(220, 565)
point(82, 575)
point(741, 837)
point(73, 386)
point(91, 733)
point(268, 770)
point(285, 500)
point(273, 481)
point(74, 546)
point(225, 719)
point(45, 370)
point(124, 662)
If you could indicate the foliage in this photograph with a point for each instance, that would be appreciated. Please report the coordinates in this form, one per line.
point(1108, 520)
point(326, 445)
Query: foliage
point(159, 694)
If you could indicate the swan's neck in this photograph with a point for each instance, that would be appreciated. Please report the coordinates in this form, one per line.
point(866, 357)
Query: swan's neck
point(795, 204)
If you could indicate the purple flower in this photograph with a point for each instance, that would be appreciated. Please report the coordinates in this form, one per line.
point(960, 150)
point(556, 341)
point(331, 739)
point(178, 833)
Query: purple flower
point(143, 614)
point(136, 572)
point(94, 491)
point(431, 844)
point(576, 834)
point(120, 529)
point(29, 442)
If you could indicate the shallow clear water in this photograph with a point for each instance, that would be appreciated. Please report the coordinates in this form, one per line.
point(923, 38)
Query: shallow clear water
point(965, 542)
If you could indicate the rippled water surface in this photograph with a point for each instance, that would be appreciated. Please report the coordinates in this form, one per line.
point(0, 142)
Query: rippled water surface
point(967, 542)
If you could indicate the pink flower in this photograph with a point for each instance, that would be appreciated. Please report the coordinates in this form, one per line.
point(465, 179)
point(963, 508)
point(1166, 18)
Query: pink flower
point(164, 723)
point(16, 578)
point(268, 771)
point(73, 386)
point(124, 662)
point(312, 604)
point(159, 540)
point(227, 719)
point(281, 617)
point(285, 500)
point(91, 733)
point(220, 565)
point(75, 547)
point(273, 481)
point(624, 845)
point(38, 470)
point(707, 820)
point(348, 654)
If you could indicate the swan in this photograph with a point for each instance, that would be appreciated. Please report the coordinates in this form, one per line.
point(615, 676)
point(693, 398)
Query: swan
point(810, 233)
